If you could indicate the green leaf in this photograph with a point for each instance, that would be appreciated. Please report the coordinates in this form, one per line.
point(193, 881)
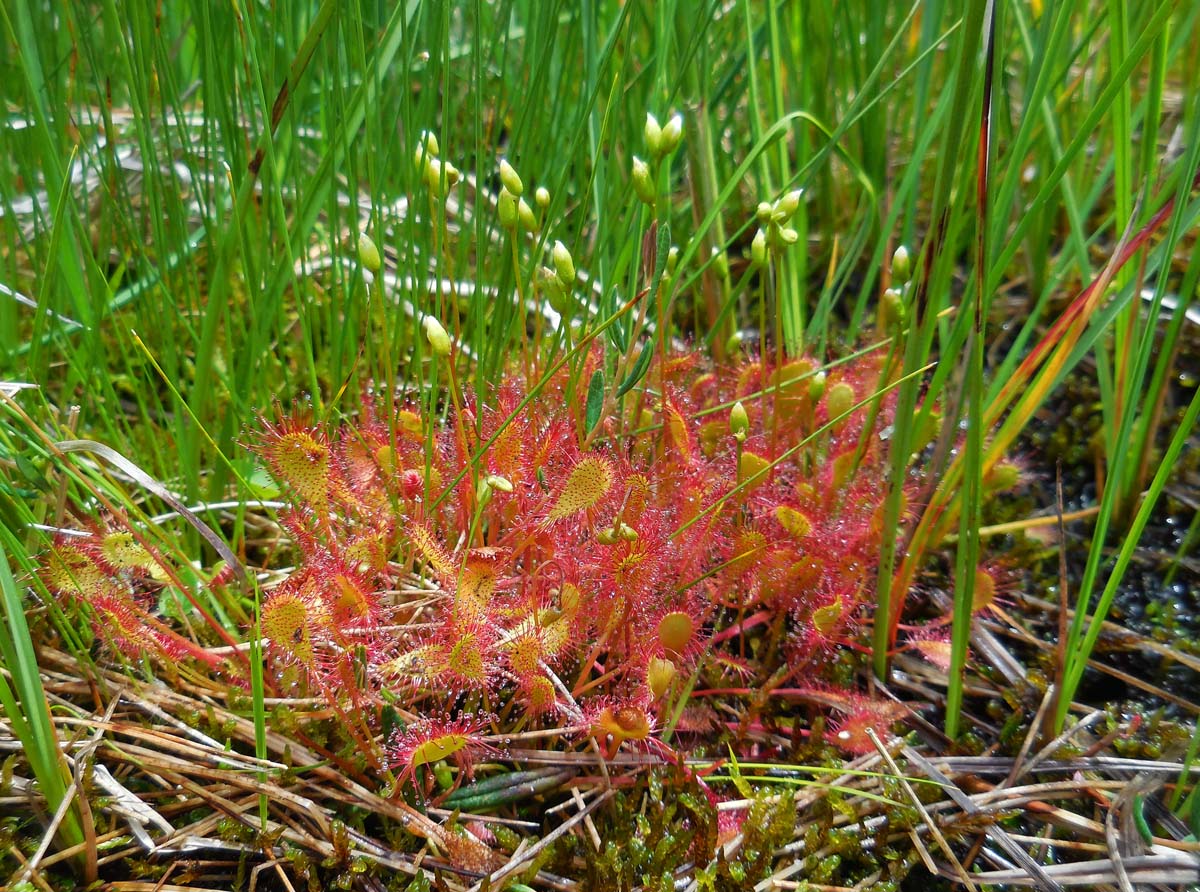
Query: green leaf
point(662, 249)
point(595, 401)
point(735, 775)
point(32, 473)
point(1139, 820)
point(639, 370)
point(1194, 815)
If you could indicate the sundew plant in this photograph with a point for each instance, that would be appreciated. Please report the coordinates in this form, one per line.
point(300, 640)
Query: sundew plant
point(603, 446)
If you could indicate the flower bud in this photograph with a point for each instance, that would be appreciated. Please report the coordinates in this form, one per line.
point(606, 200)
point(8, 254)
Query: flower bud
point(672, 134)
point(626, 533)
point(653, 134)
point(659, 675)
point(607, 536)
point(510, 178)
point(787, 206)
point(483, 493)
point(509, 213)
point(758, 247)
point(672, 260)
point(816, 386)
point(541, 197)
point(788, 236)
point(368, 254)
point(643, 183)
point(525, 214)
point(439, 341)
point(438, 171)
point(901, 266)
point(764, 211)
point(558, 296)
point(429, 143)
point(720, 263)
point(891, 310)
point(426, 150)
point(502, 484)
point(739, 421)
point(564, 265)
point(734, 342)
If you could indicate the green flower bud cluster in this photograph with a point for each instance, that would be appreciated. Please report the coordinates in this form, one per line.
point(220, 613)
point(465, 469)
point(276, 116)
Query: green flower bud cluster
point(661, 141)
point(440, 176)
point(515, 210)
point(557, 282)
point(889, 317)
point(773, 233)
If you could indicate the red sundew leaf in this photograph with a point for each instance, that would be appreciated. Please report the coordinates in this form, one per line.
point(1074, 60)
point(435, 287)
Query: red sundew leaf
point(746, 551)
point(71, 572)
point(678, 434)
point(504, 456)
point(676, 630)
point(122, 551)
point(295, 621)
point(933, 644)
point(850, 733)
point(794, 522)
point(365, 465)
point(119, 622)
point(350, 598)
point(435, 739)
point(476, 585)
point(789, 386)
point(369, 550)
point(749, 381)
point(299, 454)
point(429, 550)
point(538, 696)
point(525, 652)
point(459, 655)
point(589, 482)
